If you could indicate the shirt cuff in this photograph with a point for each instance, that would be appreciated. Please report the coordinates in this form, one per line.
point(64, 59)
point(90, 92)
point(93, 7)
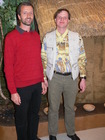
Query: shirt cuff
point(84, 77)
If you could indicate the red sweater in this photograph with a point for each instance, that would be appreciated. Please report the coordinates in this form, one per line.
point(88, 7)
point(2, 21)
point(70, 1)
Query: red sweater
point(22, 59)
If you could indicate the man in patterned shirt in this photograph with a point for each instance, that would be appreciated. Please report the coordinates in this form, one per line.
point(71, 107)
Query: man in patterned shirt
point(64, 58)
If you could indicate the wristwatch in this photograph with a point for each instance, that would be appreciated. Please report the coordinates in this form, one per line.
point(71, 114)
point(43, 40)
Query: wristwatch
point(83, 77)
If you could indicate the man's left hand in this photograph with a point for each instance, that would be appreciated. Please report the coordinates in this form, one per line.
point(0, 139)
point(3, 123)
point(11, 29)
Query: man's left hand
point(82, 85)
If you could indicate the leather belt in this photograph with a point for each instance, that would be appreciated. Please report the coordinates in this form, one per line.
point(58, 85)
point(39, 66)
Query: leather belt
point(64, 74)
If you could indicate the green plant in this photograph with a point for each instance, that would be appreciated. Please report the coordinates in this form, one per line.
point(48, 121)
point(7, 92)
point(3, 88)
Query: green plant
point(8, 14)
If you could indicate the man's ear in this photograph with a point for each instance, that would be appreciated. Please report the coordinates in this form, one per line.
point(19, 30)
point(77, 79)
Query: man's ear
point(19, 17)
point(55, 20)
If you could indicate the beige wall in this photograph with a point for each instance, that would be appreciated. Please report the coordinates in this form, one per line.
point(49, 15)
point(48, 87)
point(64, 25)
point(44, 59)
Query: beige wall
point(95, 51)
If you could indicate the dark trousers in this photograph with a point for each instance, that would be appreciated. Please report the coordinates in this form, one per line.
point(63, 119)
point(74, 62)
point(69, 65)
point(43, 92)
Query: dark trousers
point(26, 115)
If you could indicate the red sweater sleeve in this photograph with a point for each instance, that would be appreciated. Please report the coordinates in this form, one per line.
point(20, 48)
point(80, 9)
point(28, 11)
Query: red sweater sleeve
point(9, 63)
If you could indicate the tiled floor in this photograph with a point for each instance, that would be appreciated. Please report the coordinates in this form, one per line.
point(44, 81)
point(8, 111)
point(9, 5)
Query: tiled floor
point(90, 134)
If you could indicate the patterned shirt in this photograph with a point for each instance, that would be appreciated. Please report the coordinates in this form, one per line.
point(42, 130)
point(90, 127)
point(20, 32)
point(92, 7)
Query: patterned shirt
point(62, 58)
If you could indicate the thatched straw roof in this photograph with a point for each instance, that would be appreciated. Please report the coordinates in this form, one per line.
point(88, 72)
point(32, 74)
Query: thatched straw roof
point(87, 16)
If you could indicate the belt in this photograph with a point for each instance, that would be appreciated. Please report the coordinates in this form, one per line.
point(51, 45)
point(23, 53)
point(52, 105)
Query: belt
point(64, 74)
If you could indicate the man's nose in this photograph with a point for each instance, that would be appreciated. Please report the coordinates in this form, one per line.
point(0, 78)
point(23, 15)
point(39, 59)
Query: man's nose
point(28, 15)
point(62, 18)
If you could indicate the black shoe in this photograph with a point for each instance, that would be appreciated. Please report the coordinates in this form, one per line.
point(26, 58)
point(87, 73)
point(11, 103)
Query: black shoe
point(73, 137)
point(37, 138)
point(52, 137)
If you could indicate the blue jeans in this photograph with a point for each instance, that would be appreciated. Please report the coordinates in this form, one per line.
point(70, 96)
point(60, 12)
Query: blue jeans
point(26, 115)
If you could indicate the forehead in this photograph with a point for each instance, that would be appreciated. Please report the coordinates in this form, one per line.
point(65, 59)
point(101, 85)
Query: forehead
point(26, 8)
point(63, 13)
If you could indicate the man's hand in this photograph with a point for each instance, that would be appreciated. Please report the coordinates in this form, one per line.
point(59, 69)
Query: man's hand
point(44, 87)
point(46, 82)
point(16, 98)
point(82, 85)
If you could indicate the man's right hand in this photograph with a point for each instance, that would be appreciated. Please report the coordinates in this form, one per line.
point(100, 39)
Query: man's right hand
point(16, 98)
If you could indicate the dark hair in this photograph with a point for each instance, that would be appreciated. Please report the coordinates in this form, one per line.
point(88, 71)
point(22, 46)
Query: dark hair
point(18, 10)
point(60, 10)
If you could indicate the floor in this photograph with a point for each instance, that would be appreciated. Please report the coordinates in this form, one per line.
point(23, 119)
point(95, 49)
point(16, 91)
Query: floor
point(90, 134)
point(89, 125)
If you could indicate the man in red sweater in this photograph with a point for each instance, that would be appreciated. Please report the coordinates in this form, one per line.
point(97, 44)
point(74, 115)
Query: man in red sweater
point(24, 73)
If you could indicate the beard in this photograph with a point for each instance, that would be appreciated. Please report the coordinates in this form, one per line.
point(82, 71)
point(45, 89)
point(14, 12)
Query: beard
point(27, 21)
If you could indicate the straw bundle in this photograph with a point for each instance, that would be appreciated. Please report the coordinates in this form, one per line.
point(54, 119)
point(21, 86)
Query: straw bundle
point(87, 16)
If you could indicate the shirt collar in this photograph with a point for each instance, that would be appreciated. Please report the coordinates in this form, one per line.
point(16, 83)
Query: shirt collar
point(62, 35)
point(20, 30)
